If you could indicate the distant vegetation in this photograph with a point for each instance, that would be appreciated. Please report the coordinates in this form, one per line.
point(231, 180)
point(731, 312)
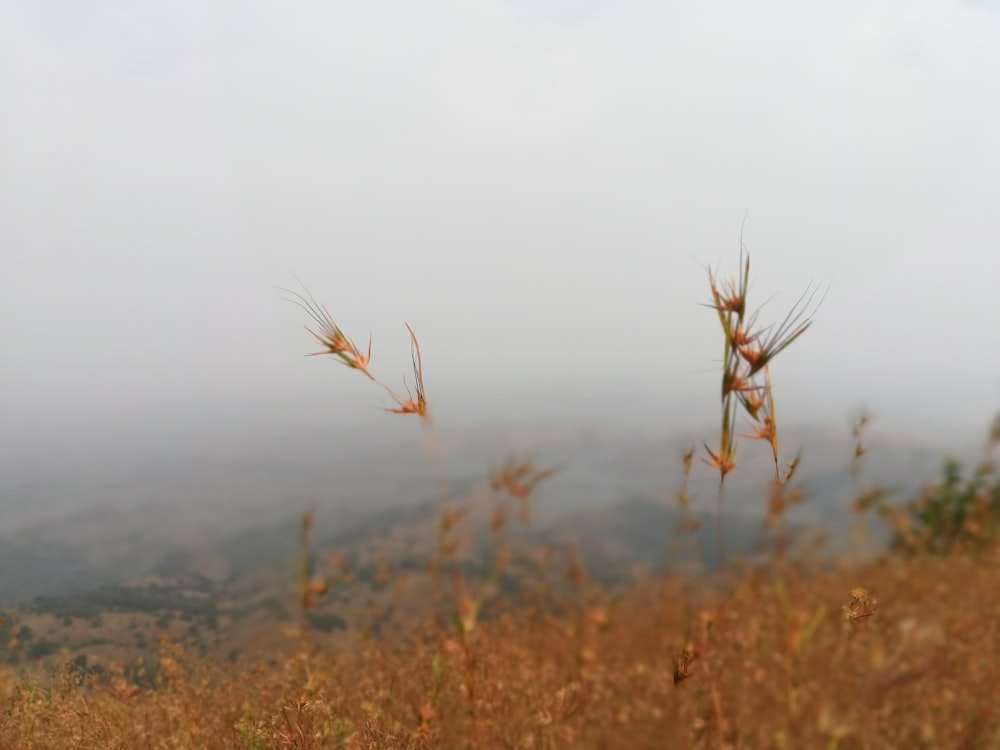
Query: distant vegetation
point(192, 598)
point(959, 512)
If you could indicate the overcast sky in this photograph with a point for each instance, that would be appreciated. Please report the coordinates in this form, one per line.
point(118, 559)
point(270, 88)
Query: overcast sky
point(535, 186)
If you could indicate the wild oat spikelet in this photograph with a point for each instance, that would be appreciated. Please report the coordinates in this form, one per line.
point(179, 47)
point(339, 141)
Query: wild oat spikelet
point(333, 340)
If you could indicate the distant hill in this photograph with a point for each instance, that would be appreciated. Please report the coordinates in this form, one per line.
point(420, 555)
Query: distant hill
point(30, 568)
point(202, 548)
point(231, 512)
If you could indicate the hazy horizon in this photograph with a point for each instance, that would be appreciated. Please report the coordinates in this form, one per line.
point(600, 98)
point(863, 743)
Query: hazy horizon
point(536, 188)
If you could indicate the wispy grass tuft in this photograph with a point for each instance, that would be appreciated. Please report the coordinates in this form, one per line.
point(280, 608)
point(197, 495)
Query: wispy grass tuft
point(337, 344)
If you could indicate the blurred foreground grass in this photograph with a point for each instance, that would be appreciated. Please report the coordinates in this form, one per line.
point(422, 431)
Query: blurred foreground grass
point(778, 662)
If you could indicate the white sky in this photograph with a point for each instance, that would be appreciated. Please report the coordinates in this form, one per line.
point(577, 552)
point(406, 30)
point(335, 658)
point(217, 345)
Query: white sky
point(532, 185)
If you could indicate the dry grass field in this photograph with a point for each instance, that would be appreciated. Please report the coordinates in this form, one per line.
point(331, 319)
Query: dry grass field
point(774, 662)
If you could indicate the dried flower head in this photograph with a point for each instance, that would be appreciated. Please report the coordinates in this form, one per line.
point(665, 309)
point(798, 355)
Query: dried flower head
point(862, 606)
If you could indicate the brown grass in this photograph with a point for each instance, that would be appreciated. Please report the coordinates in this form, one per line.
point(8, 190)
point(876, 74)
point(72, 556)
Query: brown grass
point(781, 663)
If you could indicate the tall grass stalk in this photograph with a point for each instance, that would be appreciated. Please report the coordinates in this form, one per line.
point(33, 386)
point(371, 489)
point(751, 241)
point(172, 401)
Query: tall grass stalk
point(748, 351)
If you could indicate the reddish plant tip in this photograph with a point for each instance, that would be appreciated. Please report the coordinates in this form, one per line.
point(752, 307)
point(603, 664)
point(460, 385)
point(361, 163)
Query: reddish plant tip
point(413, 404)
point(723, 463)
point(687, 458)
